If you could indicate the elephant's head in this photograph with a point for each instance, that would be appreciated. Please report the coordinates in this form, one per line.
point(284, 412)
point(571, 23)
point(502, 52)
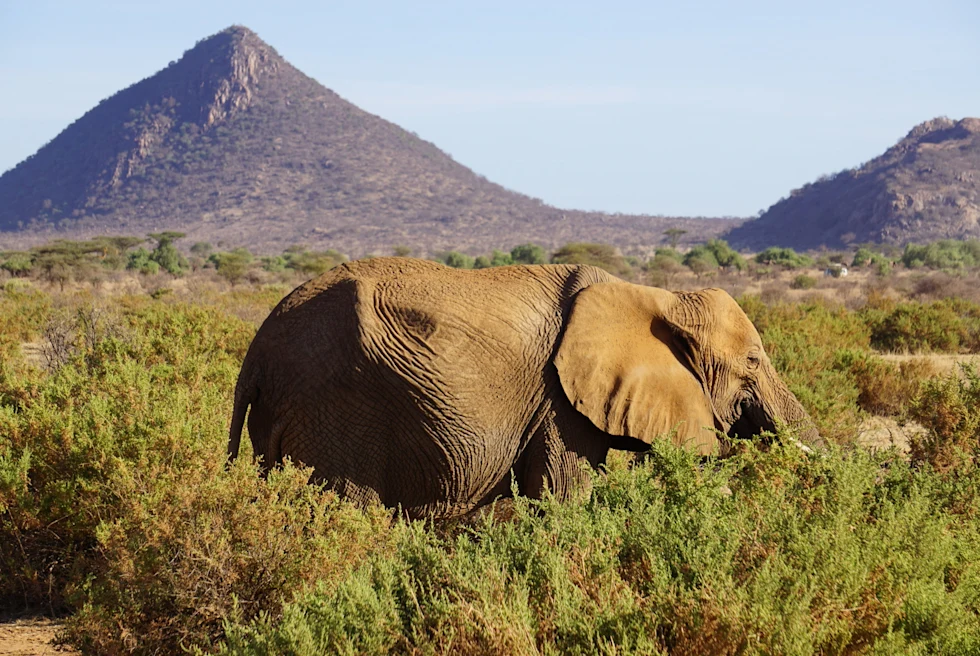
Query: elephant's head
point(641, 361)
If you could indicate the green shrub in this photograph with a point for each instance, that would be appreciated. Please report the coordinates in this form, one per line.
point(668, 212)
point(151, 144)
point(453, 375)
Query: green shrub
point(949, 408)
point(724, 255)
point(664, 266)
point(274, 263)
point(528, 254)
point(159, 377)
point(234, 265)
point(116, 506)
point(457, 260)
point(947, 326)
point(166, 254)
point(943, 254)
point(665, 254)
point(17, 264)
point(139, 260)
point(495, 259)
point(712, 255)
point(862, 257)
point(499, 258)
point(803, 281)
point(700, 260)
point(186, 548)
point(770, 552)
point(885, 389)
point(784, 257)
point(202, 249)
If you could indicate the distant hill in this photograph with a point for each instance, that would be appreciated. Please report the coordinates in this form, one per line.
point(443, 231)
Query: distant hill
point(925, 187)
point(234, 145)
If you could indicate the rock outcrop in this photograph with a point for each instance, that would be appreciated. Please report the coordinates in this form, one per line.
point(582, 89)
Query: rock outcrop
point(925, 187)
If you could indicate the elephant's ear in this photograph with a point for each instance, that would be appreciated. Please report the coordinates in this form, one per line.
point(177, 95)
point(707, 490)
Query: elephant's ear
point(624, 365)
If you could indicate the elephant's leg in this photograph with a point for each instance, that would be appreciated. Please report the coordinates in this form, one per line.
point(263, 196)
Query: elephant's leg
point(560, 455)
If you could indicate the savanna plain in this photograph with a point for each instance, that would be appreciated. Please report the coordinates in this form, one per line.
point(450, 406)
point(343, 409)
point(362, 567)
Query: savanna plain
point(120, 517)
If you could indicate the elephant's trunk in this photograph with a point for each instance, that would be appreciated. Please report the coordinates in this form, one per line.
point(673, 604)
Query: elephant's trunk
point(773, 407)
point(784, 409)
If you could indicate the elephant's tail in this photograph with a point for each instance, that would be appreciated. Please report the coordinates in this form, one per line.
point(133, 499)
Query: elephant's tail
point(244, 396)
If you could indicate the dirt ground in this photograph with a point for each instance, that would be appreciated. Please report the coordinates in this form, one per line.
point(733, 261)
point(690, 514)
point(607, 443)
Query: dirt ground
point(877, 433)
point(31, 636)
point(944, 363)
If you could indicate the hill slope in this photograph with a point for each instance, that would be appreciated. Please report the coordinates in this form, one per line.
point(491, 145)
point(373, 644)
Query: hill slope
point(925, 187)
point(233, 144)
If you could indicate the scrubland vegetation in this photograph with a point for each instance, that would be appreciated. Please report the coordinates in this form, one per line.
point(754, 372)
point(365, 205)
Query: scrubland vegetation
point(117, 509)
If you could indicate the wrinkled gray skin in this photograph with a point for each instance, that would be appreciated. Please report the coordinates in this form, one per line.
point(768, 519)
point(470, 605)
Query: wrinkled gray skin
point(430, 388)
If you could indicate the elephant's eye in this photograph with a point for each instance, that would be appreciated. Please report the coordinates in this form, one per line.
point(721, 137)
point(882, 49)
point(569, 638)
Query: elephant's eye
point(754, 360)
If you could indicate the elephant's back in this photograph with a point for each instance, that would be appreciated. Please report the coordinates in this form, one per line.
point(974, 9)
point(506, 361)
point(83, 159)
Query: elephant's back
point(413, 347)
point(436, 283)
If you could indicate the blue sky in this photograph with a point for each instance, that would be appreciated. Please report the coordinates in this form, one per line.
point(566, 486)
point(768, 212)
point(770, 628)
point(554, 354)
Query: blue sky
point(678, 108)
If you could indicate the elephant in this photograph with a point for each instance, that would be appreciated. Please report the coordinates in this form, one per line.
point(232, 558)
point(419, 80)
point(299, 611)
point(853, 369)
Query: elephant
point(438, 390)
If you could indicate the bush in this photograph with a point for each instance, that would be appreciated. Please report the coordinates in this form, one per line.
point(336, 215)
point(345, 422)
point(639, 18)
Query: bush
point(457, 260)
point(784, 257)
point(233, 265)
point(497, 258)
point(274, 263)
point(664, 266)
point(700, 260)
point(17, 264)
point(803, 281)
point(885, 389)
point(724, 255)
point(712, 255)
point(166, 254)
point(862, 257)
point(139, 260)
point(116, 506)
point(839, 553)
point(134, 392)
point(187, 548)
point(946, 326)
point(528, 254)
point(949, 408)
point(943, 254)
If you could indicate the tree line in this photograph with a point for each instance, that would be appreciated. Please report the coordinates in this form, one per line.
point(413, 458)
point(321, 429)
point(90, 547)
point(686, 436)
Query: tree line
point(62, 260)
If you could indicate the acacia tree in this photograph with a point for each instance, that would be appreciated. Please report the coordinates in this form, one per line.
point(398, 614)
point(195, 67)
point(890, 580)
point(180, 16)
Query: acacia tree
point(603, 256)
point(674, 236)
point(62, 261)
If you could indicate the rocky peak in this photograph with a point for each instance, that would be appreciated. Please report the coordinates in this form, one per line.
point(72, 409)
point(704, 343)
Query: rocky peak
point(223, 71)
point(923, 188)
point(936, 131)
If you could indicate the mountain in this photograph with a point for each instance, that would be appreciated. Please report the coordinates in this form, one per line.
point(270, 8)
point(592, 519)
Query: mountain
point(234, 145)
point(925, 187)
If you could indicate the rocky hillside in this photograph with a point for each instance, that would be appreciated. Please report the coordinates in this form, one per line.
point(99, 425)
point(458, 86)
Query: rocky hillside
point(235, 146)
point(925, 187)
